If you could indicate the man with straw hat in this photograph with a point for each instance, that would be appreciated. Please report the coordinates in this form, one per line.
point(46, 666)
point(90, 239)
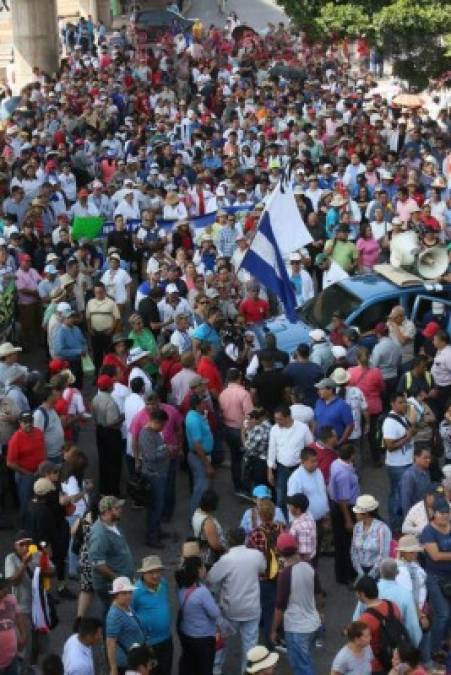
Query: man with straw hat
point(151, 604)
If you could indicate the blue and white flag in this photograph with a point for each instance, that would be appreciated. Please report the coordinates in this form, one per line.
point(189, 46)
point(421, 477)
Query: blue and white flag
point(281, 230)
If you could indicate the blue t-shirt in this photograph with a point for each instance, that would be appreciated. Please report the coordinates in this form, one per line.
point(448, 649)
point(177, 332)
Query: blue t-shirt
point(125, 627)
point(198, 431)
point(431, 535)
point(153, 611)
point(207, 333)
point(337, 414)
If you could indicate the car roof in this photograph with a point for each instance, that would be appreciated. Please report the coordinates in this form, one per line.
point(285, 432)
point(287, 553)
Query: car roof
point(364, 287)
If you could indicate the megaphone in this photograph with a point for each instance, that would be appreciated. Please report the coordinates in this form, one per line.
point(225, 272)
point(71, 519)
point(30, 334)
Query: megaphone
point(404, 248)
point(432, 262)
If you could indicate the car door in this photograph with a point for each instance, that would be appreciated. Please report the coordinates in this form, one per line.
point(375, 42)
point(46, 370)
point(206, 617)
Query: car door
point(422, 309)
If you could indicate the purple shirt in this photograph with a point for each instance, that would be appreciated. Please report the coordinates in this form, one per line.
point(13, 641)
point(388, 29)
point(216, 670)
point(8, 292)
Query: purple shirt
point(343, 484)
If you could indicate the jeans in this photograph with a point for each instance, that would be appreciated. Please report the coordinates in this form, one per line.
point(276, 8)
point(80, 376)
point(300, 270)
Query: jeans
point(24, 484)
point(282, 475)
point(299, 652)
point(233, 439)
point(394, 499)
point(248, 632)
point(157, 487)
point(72, 558)
point(441, 610)
point(200, 480)
point(170, 491)
point(268, 590)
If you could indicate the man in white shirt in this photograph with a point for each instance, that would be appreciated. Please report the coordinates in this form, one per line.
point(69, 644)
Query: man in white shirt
point(308, 480)
point(172, 305)
point(236, 577)
point(332, 272)
point(77, 653)
point(441, 368)
point(286, 441)
point(133, 404)
point(181, 337)
point(397, 436)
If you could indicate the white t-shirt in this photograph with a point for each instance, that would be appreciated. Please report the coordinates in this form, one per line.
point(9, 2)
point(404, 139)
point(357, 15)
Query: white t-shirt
point(302, 413)
point(394, 430)
point(116, 282)
point(77, 658)
point(139, 372)
point(357, 402)
point(76, 405)
point(133, 404)
point(70, 488)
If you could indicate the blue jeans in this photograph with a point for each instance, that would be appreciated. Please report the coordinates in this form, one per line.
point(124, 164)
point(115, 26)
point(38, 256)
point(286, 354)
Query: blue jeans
point(299, 652)
point(282, 475)
point(200, 479)
point(72, 558)
point(170, 491)
point(248, 632)
point(394, 499)
point(157, 487)
point(441, 611)
point(233, 439)
point(24, 484)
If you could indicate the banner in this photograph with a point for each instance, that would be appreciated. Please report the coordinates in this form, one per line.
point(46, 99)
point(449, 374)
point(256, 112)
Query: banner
point(86, 227)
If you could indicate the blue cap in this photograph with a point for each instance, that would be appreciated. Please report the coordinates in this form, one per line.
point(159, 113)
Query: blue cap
point(440, 504)
point(261, 492)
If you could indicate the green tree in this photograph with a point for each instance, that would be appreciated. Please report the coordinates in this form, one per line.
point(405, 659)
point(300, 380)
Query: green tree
point(347, 19)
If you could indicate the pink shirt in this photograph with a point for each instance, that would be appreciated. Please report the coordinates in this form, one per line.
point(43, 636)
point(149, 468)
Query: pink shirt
point(371, 384)
point(368, 250)
point(235, 403)
point(404, 209)
point(170, 429)
point(27, 279)
point(9, 610)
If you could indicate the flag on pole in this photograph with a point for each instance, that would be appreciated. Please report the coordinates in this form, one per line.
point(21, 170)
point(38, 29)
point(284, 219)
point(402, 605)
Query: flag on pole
point(264, 261)
point(287, 223)
point(87, 227)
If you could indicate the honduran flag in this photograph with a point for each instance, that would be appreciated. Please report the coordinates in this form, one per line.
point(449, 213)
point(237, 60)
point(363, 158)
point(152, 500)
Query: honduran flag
point(281, 230)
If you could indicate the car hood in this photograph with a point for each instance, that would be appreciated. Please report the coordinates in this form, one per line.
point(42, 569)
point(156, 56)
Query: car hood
point(288, 335)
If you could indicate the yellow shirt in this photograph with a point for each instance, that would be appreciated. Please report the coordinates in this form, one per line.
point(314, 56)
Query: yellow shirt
point(102, 314)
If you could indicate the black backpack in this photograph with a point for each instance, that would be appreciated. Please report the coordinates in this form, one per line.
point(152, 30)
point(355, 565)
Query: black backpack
point(392, 634)
point(380, 423)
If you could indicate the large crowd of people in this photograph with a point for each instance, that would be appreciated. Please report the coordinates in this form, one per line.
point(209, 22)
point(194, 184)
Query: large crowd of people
point(131, 186)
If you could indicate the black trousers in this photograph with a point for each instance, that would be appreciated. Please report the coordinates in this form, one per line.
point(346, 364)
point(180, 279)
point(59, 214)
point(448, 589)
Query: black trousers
point(344, 571)
point(375, 449)
point(101, 342)
point(163, 652)
point(75, 366)
point(198, 655)
point(109, 449)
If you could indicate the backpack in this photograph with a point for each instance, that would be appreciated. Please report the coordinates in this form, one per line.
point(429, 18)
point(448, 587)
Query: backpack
point(409, 380)
point(391, 634)
point(45, 415)
point(380, 423)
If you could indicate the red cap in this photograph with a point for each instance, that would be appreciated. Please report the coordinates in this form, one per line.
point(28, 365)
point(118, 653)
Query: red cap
point(57, 365)
point(431, 223)
point(83, 192)
point(286, 542)
point(104, 382)
point(431, 329)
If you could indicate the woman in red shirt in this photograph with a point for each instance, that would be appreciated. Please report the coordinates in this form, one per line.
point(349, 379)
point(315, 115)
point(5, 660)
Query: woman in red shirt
point(117, 357)
point(371, 384)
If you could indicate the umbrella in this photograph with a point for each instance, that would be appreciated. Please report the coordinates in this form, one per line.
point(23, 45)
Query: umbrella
point(408, 101)
point(239, 31)
point(288, 73)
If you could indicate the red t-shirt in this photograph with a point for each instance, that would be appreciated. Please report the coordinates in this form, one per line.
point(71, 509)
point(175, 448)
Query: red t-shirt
point(207, 369)
point(254, 310)
point(374, 625)
point(325, 458)
point(26, 450)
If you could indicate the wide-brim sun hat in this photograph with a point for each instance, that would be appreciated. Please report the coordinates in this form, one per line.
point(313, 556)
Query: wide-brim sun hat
point(136, 354)
point(409, 544)
point(365, 504)
point(122, 585)
point(260, 658)
point(340, 376)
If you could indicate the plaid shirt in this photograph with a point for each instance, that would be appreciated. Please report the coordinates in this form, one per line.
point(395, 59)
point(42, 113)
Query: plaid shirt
point(257, 440)
point(259, 536)
point(227, 241)
point(304, 529)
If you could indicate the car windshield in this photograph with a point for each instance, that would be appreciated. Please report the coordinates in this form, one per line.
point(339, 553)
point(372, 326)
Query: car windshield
point(318, 311)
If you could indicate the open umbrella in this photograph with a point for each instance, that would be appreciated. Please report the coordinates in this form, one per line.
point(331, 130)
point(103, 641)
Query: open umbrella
point(408, 101)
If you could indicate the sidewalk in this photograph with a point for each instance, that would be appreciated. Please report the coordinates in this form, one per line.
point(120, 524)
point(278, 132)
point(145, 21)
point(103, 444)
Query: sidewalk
point(255, 13)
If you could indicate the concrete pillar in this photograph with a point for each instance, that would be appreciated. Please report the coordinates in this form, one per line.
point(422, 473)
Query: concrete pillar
point(35, 38)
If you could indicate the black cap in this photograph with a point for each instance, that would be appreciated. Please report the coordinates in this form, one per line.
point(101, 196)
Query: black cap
point(25, 416)
point(22, 535)
point(299, 500)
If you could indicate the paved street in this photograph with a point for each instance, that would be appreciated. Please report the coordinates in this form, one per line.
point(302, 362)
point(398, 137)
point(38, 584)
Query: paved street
point(255, 13)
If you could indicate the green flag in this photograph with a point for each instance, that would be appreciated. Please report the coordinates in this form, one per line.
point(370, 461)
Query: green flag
point(87, 227)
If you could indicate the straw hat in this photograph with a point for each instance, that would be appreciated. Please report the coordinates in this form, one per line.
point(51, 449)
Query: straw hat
point(150, 564)
point(365, 504)
point(340, 376)
point(136, 354)
point(409, 544)
point(190, 549)
point(260, 658)
point(122, 585)
point(7, 348)
point(338, 201)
